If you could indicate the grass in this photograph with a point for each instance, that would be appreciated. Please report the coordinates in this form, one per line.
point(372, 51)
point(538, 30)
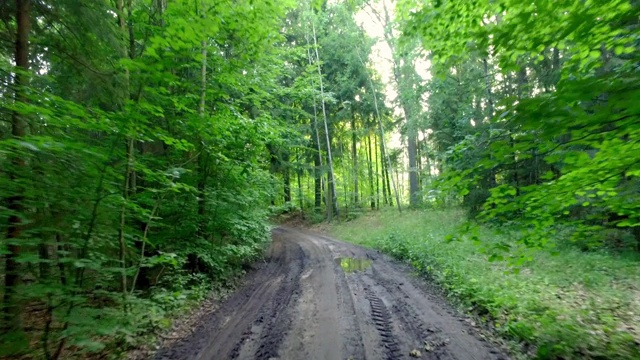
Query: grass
point(573, 305)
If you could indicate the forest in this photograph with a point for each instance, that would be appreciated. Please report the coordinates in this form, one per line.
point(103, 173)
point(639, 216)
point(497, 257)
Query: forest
point(146, 147)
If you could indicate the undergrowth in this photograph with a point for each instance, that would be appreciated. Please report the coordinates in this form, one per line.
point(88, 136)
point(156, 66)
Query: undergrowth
point(108, 326)
point(571, 305)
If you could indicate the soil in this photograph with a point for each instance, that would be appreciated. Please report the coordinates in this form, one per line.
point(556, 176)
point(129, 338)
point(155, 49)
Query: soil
point(319, 298)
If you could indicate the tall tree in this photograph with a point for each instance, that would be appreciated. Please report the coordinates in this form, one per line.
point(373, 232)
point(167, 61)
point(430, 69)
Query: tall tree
point(405, 79)
point(18, 170)
point(332, 201)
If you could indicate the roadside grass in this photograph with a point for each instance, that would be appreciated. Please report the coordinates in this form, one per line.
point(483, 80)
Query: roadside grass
point(572, 305)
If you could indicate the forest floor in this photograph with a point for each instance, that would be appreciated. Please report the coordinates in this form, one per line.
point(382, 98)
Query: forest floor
point(315, 297)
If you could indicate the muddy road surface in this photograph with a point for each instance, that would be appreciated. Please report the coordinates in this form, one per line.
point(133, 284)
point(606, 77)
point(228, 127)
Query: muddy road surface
point(319, 298)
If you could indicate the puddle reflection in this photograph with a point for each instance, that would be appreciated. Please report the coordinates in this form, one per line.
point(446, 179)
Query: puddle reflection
point(350, 265)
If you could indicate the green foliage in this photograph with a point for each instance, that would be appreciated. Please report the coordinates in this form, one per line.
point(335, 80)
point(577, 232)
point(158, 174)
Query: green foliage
point(570, 305)
point(530, 112)
point(141, 181)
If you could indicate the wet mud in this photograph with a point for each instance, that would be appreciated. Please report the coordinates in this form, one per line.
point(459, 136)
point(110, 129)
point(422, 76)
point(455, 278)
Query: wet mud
point(319, 298)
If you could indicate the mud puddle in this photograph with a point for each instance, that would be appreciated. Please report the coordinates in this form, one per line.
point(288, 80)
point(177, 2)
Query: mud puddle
point(350, 264)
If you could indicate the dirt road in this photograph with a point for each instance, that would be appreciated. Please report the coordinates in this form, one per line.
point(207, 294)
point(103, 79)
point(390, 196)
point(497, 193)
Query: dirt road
point(318, 298)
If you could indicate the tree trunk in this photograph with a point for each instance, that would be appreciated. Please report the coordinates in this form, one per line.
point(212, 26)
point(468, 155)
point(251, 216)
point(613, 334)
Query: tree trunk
point(44, 254)
point(318, 158)
point(398, 59)
point(385, 200)
point(332, 201)
point(488, 88)
point(61, 265)
point(388, 177)
point(317, 181)
point(345, 184)
point(354, 155)
point(286, 177)
point(419, 163)
point(121, 229)
point(428, 164)
point(202, 173)
point(160, 6)
point(402, 67)
point(402, 73)
point(522, 92)
point(130, 148)
point(385, 156)
point(375, 152)
point(555, 64)
point(371, 185)
point(12, 309)
point(202, 157)
point(414, 195)
point(300, 193)
point(490, 108)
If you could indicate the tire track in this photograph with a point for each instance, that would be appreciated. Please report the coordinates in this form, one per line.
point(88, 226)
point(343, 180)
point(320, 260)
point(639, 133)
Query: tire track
point(433, 344)
point(382, 320)
point(302, 304)
point(352, 331)
point(278, 321)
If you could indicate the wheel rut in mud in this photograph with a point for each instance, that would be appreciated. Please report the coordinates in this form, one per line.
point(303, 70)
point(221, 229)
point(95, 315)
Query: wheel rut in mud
point(382, 318)
point(319, 298)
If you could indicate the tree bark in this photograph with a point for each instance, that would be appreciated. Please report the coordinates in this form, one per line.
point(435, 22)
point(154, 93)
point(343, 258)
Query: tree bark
point(490, 108)
point(317, 181)
point(159, 7)
point(300, 193)
point(12, 309)
point(375, 152)
point(388, 177)
point(318, 158)
point(332, 201)
point(61, 266)
point(371, 184)
point(123, 212)
point(287, 177)
point(383, 167)
point(345, 184)
point(201, 186)
point(414, 189)
point(44, 254)
point(427, 160)
point(202, 158)
point(419, 162)
point(130, 148)
point(354, 155)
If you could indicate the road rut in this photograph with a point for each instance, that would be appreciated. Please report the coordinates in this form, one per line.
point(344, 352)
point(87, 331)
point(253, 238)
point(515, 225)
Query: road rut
point(320, 298)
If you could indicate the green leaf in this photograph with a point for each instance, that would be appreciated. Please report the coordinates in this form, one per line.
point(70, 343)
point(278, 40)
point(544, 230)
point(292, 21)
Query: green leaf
point(495, 257)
